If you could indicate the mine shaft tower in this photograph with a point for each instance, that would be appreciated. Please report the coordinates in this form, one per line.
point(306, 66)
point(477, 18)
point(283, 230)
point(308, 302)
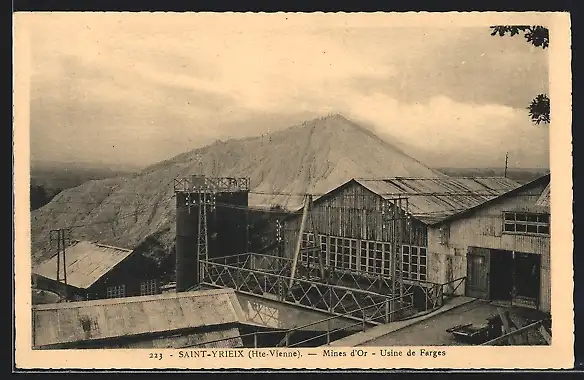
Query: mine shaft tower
point(211, 221)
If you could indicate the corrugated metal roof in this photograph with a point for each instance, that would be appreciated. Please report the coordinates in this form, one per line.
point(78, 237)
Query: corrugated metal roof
point(544, 199)
point(110, 318)
point(86, 263)
point(432, 199)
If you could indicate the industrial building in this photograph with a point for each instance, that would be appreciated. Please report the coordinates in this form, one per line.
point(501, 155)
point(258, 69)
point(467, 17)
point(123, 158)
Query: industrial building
point(357, 225)
point(502, 246)
point(491, 232)
point(86, 270)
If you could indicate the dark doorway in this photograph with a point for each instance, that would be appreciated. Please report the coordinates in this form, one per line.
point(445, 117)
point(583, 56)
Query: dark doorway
point(527, 277)
point(501, 275)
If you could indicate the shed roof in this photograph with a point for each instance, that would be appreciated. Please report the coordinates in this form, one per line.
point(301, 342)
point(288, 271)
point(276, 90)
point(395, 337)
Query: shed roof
point(536, 182)
point(86, 263)
point(432, 199)
point(544, 199)
point(112, 318)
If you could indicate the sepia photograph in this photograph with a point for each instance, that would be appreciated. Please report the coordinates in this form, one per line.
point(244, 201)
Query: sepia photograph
point(251, 185)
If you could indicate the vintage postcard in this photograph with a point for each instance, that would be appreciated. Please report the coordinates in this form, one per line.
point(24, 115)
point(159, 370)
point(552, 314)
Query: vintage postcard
point(287, 190)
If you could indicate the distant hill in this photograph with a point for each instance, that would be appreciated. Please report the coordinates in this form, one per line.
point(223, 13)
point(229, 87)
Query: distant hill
point(315, 157)
point(521, 175)
point(47, 178)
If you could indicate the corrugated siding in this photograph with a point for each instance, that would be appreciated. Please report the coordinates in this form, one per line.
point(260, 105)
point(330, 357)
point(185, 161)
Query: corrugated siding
point(484, 228)
point(102, 319)
point(86, 263)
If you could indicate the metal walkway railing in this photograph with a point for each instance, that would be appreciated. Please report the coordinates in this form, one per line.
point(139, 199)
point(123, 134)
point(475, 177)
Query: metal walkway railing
point(287, 335)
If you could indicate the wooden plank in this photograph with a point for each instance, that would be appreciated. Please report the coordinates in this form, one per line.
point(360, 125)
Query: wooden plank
point(506, 327)
point(509, 327)
point(544, 333)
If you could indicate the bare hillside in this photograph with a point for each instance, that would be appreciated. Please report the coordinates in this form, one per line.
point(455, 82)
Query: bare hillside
point(315, 157)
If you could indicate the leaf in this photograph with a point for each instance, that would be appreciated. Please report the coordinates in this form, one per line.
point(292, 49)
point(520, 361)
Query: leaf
point(539, 109)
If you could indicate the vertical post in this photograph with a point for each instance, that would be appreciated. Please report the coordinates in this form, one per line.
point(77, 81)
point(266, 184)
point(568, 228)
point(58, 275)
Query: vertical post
point(363, 311)
point(255, 340)
point(328, 331)
point(386, 306)
point(64, 247)
point(400, 241)
point(58, 257)
point(330, 300)
point(247, 245)
point(307, 200)
point(393, 262)
point(506, 160)
point(287, 339)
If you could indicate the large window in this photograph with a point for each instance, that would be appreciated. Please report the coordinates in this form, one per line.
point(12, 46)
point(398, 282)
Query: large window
point(414, 262)
point(148, 288)
point(307, 242)
point(116, 291)
point(371, 257)
point(523, 222)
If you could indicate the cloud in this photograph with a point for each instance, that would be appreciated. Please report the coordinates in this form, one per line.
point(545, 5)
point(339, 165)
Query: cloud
point(118, 83)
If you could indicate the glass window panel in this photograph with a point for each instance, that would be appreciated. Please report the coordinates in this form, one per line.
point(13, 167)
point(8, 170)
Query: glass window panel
point(509, 216)
point(520, 228)
point(543, 229)
point(543, 218)
point(423, 269)
point(406, 249)
point(405, 267)
point(423, 276)
point(531, 228)
point(532, 218)
point(422, 260)
point(509, 227)
point(406, 259)
point(521, 217)
point(414, 259)
point(414, 250)
point(422, 251)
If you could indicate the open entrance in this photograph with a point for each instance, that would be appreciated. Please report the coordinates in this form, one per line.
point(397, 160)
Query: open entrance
point(526, 281)
point(502, 275)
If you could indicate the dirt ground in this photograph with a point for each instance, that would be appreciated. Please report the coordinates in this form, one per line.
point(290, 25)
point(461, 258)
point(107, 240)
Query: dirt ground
point(433, 330)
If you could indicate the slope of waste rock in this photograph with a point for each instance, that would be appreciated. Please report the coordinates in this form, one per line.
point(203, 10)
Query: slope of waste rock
point(314, 157)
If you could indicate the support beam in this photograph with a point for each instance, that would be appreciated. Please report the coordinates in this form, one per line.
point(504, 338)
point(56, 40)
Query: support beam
point(307, 201)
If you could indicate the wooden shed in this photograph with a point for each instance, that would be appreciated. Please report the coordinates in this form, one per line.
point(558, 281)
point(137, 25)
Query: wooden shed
point(356, 225)
point(97, 271)
point(502, 246)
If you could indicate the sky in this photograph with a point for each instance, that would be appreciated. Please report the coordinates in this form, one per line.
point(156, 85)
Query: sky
point(135, 89)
